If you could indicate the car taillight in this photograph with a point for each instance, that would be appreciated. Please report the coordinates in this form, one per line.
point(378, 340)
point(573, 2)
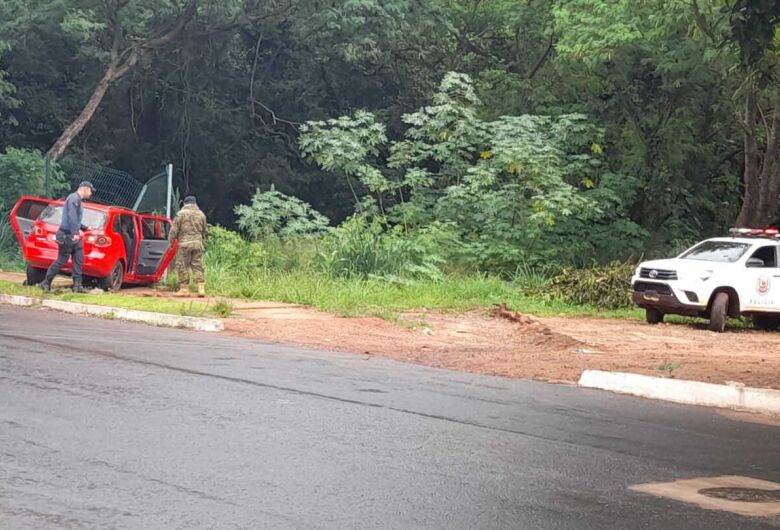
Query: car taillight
point(99, 240)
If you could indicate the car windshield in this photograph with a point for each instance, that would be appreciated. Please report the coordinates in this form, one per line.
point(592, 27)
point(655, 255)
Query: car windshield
point(718, 251)
point(52, 215)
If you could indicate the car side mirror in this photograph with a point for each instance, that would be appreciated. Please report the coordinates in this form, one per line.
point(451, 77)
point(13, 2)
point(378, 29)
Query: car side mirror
point(754, 263)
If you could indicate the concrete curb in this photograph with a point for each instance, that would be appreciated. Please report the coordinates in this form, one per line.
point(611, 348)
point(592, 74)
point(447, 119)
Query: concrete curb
point(131, 315)
point(22, 301)
point(732, 396)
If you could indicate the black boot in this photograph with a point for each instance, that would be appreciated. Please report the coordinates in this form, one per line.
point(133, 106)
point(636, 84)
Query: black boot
point(45, 286)
point(78, 288)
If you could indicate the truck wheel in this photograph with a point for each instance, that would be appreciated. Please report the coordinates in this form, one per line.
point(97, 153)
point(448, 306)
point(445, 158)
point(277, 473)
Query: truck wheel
point(766, 323)
point(653, 316)
point(35, 275)
point(113, 282)
point(719, 312)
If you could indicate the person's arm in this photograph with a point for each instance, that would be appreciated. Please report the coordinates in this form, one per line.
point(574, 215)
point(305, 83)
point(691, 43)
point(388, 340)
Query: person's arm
point(173, 235)
point(70, 216)
point(205, 228)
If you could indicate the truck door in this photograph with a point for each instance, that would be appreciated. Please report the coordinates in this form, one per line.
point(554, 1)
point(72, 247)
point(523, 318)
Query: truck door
point(155, 252)
point(24, 215)
point(761, 288)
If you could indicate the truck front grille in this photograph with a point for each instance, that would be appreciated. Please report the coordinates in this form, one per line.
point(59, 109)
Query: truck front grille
point(657, 274)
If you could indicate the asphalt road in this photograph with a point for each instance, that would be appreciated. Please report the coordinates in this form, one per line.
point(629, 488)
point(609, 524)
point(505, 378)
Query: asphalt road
point(111, 425)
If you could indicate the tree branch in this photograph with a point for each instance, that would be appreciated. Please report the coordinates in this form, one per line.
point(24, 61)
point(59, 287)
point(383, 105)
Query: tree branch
point(543, 59)
point(252, 77)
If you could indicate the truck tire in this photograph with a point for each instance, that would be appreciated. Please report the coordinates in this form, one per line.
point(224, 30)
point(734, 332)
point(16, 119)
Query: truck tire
point(719, 312)
point(653, 316)
point(113, 282)
point(766, 323)
point(35, 275)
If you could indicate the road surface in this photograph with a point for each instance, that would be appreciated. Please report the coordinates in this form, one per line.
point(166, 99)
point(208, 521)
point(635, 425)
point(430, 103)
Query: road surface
point(109, 425)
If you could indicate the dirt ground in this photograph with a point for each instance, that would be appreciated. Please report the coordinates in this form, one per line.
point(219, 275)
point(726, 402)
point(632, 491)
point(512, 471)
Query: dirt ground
point(495, 342)
point(550, 349)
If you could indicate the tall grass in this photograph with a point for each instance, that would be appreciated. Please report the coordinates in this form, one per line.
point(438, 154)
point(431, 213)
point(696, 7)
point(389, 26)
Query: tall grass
point(356, 296)
point(10, 253)
point(359, 269)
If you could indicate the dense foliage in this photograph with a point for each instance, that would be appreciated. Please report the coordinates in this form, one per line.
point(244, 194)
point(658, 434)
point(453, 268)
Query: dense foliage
point(485, 135)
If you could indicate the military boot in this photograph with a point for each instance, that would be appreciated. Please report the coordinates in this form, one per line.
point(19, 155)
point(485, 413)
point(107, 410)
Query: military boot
point(201, 290)
point(184, 290)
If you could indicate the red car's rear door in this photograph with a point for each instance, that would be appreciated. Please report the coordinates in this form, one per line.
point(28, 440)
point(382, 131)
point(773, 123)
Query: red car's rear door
point(24, 215)
point(155, 252)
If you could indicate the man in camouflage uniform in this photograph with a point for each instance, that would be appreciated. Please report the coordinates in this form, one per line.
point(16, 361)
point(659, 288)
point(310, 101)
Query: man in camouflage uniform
point(190, 229)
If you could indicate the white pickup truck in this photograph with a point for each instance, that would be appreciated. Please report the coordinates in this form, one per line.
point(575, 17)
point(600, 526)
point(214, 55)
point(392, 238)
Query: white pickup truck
point(716, 279)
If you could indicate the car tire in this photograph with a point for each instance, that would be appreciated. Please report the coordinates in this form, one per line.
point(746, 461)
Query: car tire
point(653, 316)
point(35, 275)
point(719, 312)
point(113, 282)
point(766, 323)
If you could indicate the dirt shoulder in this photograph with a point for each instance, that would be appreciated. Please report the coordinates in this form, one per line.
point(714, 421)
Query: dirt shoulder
point(549, 349)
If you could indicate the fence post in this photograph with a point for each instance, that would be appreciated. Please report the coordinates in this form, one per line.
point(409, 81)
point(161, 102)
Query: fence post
point(169, 170)
point(47, 172)
point(169, 196)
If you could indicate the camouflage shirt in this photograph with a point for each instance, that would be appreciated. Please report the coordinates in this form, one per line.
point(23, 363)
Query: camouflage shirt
point(189, 227)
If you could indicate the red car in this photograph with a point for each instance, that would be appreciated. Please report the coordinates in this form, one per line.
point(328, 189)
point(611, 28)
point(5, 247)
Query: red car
point(121, 247)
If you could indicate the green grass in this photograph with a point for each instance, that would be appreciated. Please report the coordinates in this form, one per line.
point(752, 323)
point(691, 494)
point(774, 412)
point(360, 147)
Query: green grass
point(350, 297)
point(156, 305)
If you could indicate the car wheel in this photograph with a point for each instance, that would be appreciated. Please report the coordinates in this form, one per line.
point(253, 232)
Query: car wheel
point(719, 312)
point(113, 282)
point(35, 275)
point(766, 323)
point(653, 316)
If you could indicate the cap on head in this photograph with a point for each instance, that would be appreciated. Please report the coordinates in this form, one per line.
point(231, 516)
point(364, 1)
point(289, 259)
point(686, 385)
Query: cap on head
point(190, 199)
point(87, 184)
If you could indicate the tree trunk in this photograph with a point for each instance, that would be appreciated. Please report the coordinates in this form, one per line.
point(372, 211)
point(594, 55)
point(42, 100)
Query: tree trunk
point(751, 176)
point(770, 176)
point(87, 112)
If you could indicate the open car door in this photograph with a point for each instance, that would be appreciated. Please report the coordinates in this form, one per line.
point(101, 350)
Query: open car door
point(24, 215)
point(155, 252)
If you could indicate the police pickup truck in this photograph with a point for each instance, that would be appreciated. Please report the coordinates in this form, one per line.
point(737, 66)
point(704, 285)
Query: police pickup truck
point(716, 279)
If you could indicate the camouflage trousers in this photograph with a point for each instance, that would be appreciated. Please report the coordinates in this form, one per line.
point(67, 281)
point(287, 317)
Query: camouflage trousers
point(190, 258)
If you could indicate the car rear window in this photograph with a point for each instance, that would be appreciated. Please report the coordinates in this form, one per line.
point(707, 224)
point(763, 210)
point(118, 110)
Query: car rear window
point(718, 251)
point(53, 215)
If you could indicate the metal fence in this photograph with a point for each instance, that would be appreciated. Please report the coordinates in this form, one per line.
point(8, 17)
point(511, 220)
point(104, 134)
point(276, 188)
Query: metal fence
point(119, 188)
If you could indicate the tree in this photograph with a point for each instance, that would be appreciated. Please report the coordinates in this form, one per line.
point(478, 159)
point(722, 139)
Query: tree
point(507, 185)
point(667, 92)
point(754, 30)
point(126, 51)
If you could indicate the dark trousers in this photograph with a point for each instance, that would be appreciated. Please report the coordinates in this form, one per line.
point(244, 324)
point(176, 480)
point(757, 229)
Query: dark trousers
point(68, 249)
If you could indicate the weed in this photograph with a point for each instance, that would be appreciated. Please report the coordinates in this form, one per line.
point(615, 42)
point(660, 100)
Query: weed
point(668, 367)
point(222, 308)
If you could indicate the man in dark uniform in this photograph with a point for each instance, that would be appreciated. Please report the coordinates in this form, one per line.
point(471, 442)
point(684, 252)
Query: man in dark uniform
point(69, 238)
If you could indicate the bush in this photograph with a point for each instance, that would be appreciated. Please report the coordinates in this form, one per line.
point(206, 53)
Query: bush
point(362, 249)
point(227, 250)
point(605, 287)
point(10, 252)
point(275, 214)
point(24, 172)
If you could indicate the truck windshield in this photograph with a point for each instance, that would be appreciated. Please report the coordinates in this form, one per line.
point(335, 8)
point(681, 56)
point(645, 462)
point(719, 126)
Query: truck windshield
point(52, 215)
point(719, 251)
